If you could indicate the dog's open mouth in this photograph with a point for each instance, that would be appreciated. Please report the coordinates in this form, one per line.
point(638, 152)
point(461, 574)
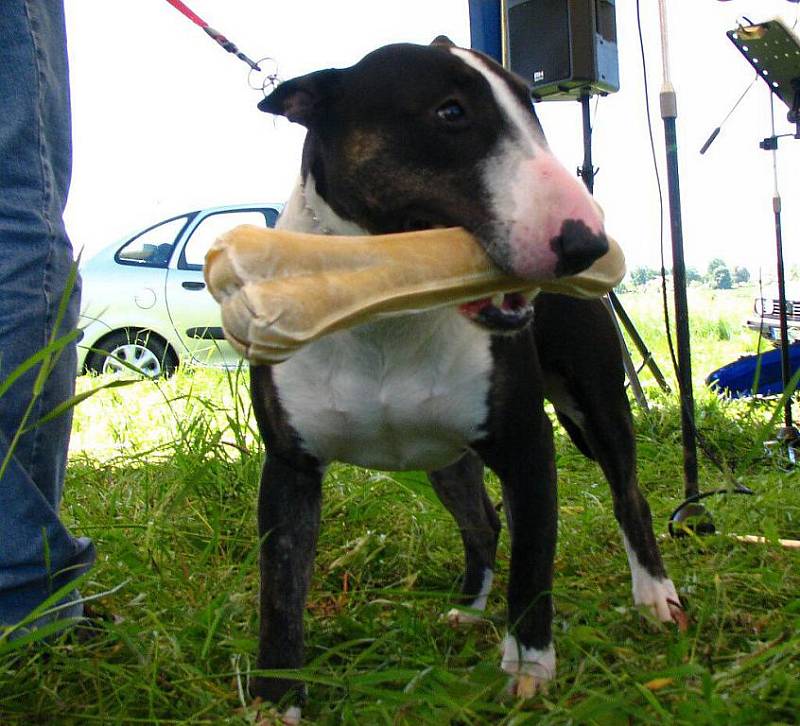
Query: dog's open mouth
point(503, 313)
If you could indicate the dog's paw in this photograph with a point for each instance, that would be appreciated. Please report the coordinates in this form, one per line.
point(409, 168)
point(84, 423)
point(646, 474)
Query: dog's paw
point(531, 669)
point(473, 612)
point(291, 716)
point(524, 686)
point(661, 598)
point(458, 618)
point(263, 714)
point(266, 692)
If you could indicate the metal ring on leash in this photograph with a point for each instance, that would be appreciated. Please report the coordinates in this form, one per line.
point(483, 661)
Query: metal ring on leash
point(266, 82)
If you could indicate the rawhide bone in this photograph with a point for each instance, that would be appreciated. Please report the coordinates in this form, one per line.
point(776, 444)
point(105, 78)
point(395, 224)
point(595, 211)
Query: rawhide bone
point(280, 290)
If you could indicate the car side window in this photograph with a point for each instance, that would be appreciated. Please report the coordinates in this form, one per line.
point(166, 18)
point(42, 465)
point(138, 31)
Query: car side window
point(212, 226)
point(154, 246)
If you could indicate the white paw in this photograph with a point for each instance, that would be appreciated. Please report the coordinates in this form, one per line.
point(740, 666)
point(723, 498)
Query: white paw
point(661, 598)
point(655, 594)
point(531, 669)
point(658, 595)
point(458, 618)
point(473, 612)
point(271, 716)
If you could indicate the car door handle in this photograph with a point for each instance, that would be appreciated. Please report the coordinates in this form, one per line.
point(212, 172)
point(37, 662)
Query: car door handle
point(212, 333)
point(193, 285)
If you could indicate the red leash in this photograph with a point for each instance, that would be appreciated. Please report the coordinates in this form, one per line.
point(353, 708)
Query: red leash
point(215, 34)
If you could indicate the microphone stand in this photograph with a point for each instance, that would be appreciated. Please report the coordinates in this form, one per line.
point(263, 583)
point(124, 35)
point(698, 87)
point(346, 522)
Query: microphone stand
point(690, 514)
point(669, 114)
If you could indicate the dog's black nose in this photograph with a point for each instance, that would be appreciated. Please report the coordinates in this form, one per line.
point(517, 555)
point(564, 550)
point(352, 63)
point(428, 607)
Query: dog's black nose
point(577, 247)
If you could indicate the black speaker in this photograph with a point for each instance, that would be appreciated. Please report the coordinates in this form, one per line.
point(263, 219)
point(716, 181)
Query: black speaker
point(564, 48)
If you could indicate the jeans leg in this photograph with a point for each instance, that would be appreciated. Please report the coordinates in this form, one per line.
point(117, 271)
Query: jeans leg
point(37, 554)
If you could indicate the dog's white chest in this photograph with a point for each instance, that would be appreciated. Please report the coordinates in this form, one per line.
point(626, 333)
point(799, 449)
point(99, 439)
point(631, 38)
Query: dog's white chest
point(404, 393)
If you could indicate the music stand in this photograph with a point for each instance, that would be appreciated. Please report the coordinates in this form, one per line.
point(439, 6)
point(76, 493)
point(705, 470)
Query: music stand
point(774, 53)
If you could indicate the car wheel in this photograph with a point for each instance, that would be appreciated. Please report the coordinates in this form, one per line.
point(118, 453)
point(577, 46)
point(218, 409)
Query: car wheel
point(141, 349)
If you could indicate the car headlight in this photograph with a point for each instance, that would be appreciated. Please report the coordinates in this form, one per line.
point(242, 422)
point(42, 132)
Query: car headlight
point(758, 306)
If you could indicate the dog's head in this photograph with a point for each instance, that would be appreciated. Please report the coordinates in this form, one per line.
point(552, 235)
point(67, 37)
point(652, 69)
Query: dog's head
point(414, 137)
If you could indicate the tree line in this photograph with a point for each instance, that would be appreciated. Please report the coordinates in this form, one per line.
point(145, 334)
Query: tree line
point(718, 275)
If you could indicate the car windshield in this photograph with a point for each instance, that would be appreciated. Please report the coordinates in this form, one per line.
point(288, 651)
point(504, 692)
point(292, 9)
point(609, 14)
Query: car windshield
point(154, 246)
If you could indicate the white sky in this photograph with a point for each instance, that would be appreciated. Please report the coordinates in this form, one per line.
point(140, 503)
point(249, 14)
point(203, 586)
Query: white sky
point(164, 121)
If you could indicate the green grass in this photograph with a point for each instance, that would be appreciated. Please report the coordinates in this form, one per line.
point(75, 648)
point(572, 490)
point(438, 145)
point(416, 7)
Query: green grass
point(164, 478)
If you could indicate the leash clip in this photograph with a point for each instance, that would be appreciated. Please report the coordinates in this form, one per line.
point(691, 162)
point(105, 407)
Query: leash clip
point(266, 83)
point(230, 46)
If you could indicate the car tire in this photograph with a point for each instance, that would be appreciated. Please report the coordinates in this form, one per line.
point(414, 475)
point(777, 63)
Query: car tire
point(141, 349)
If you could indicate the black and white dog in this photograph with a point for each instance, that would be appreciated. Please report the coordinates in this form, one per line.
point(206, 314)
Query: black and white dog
point(416, 137)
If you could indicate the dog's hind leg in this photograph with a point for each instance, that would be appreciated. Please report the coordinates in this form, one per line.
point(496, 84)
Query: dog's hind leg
point(584, 380)
point(461, 490)
point(609, 436)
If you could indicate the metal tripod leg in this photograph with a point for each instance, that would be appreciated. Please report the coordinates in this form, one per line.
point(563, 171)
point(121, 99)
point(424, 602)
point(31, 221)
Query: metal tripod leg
point(618, 315)
point(627, 362)
point(630, 329)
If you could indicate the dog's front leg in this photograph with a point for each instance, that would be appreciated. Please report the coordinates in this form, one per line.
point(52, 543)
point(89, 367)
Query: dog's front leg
point(529, 496)
point(524, 461)
point(288, 522)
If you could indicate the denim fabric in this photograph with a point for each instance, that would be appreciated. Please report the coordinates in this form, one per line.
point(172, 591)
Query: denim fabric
point(37, 554)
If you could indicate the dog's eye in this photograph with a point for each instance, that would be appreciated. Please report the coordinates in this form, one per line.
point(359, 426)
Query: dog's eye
point(451, 112)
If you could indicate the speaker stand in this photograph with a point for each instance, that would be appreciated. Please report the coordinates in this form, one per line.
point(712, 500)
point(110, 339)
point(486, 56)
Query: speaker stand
point(621, 319)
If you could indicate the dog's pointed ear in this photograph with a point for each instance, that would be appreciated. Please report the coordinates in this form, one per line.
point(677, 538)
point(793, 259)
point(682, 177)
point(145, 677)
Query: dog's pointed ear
point(442, 41)
point(303, 99)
